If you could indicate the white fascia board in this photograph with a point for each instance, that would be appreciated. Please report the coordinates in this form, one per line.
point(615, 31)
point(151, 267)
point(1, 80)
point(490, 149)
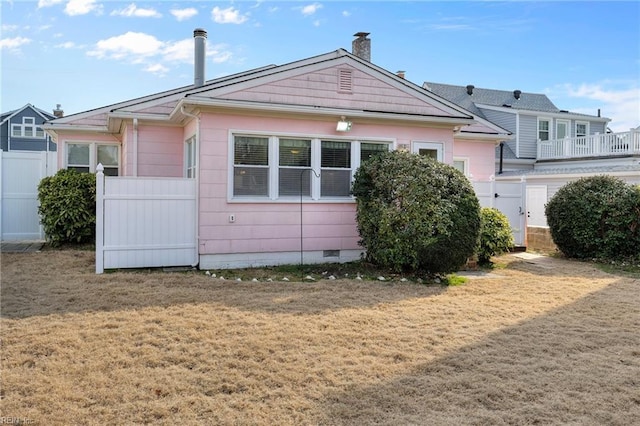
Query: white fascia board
point(311, 110)
point(568, 115)
point(52, 128)
point(497, 137)
point(140, 116)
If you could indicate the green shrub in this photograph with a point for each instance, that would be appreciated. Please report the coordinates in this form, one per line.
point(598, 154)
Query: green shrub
point(414, 213)
point(596, 217)
point(496, 236)
point(68, 207)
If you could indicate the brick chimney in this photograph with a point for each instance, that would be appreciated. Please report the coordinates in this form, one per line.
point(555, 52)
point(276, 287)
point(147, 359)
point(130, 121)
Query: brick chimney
point(58, 112)
point(361, 47)
point(400, 74)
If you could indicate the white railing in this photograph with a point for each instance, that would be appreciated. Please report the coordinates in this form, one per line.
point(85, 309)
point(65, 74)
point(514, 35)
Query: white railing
point(598, 145)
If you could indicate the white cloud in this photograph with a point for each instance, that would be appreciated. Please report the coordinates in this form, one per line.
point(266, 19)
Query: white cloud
point(131, 44)
point(81, 7)
point(179, 51)
point(310, 9)
point(618, 100)
point(184, 14)
point(66, 45)
point(157, 56)
point(158, 69)
point(227, 16)
point(316, 23)
point(134, 11)
point(47, 3)
point(8, 28)
point(346, 13)
point(13, 43)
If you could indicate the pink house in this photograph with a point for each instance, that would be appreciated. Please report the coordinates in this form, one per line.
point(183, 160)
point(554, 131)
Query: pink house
point(274, 146)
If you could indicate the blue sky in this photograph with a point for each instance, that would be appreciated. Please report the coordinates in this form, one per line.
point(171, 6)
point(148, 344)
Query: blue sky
point(84, 54)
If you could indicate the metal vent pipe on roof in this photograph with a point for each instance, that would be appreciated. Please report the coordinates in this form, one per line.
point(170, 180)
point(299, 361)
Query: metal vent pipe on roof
point(200, 47)
point(470, 88)
point(517, 93)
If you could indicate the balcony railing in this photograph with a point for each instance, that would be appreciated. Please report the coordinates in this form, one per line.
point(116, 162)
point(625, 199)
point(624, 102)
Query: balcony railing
point(598, 145)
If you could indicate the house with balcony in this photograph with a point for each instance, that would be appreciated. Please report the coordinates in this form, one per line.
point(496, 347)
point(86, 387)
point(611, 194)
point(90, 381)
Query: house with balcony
point(550, 146)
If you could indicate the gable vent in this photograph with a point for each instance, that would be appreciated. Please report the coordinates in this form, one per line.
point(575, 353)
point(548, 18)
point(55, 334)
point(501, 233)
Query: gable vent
point(345, 80)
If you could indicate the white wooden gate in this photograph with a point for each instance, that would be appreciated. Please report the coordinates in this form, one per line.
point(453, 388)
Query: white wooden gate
point(20, 174)
point(510, 199)
point(145, 222)
point(536, 202)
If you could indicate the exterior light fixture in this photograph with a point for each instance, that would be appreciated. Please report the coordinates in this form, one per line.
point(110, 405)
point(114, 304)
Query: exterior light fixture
point(343, 125)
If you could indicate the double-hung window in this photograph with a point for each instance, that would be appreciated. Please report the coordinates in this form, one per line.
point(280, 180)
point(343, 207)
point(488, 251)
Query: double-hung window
point(294, 167)
point(251, 166)
point(335, 172)
point(84, 157)
point(543, 129)
point(272, 167)
point(582, 129)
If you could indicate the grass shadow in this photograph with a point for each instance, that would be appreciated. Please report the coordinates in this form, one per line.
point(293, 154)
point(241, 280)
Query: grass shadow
point(578, 364)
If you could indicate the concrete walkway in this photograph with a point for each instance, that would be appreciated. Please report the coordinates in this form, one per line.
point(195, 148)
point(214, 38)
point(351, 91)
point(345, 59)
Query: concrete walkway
point(20, 246)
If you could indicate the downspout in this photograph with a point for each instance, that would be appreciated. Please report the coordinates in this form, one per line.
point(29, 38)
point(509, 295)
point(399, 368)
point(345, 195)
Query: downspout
point(518, 135)
point(197, 177)
point(135, 147)
point(501, 157)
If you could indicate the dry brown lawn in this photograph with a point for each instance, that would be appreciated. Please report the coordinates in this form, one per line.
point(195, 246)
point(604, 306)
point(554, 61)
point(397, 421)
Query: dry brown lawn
point(542, 341)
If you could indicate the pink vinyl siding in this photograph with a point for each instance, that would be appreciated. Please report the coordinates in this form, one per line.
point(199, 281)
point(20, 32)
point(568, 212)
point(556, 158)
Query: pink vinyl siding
point(481, 156)
point(269, 226)
point(160, 151)
point(320, 88)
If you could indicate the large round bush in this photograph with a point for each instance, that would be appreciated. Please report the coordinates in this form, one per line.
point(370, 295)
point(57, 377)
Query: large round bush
point(596, 217)
point(68, 207)
point(414, 213)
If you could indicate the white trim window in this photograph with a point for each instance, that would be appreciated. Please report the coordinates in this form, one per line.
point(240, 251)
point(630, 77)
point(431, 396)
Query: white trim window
point(433, 150)
point(27, 129)
point(282, 167)
point(582, 129)
point(461, 164)
point(190, 157)
point(544, 129)
point(84, 157)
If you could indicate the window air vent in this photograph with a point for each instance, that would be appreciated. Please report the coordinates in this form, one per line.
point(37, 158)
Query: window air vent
point(345, 80)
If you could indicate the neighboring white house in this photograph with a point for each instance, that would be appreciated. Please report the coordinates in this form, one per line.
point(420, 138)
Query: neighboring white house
point(550, 147)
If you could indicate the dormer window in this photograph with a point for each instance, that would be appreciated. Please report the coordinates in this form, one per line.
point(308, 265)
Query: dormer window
point(27, 129)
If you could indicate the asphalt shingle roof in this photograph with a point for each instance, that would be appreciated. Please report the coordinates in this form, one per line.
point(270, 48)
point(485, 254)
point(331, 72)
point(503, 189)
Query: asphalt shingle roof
point(499, 98)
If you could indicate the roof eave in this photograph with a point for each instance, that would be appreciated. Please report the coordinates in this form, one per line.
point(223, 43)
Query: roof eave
point(315, 110)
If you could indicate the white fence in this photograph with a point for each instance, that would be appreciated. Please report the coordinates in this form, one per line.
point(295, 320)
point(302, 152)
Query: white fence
point(510, 199)
point(20, 174)
point(145, 222)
